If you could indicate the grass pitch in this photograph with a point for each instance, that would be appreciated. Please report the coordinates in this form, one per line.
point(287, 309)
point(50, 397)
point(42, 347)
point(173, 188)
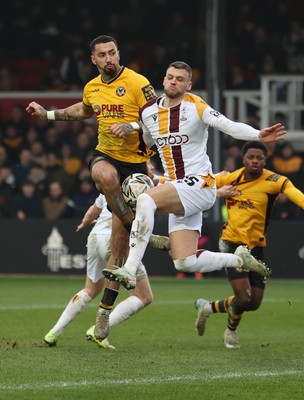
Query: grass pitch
point(159, 355)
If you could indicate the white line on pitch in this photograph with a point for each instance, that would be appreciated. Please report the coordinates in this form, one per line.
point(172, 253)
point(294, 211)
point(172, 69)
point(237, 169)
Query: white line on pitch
point(141, 381)
point(53, 306)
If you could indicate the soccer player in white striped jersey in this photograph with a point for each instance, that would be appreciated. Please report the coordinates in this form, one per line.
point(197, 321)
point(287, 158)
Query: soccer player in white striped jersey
point(98, 253)
point(177, 123)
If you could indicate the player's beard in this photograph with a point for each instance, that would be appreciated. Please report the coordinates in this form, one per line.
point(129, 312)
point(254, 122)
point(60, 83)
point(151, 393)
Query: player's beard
point(174, 95)
point(109, 73)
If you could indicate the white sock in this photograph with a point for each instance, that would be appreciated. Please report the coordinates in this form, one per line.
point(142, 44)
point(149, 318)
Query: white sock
point(76, 305)
point(210, 261)
point(208, 307)
point(141, 231)
point(125, 309)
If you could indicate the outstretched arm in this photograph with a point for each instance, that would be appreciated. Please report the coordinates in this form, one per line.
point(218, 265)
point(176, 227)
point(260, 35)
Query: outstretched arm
point(293, 194)
point(242, 131)
point(75, 112)
point(90, 217)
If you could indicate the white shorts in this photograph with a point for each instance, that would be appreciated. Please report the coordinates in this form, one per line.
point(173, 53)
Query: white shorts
point(197, 194)
point(98, 254)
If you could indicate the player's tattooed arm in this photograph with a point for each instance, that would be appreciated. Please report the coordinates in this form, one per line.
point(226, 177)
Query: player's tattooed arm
point(75, 112)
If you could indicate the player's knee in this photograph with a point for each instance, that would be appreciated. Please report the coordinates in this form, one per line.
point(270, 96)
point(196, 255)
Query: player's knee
point(185, 264)
point(93, 290)
point(254, 305)
point(243, 299)
point(145, 202)
point(146, 297)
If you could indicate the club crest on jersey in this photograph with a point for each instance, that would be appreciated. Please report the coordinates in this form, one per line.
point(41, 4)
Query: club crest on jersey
point(120, 91)
point(154, 116)
point(183, 115)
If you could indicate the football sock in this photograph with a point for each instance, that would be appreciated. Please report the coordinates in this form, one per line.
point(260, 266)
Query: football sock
point(76, 305)
point(125, 309)
point(221, 306)
point(108, 298)
point(207, 261)
point(235, 315)
point(142, 228)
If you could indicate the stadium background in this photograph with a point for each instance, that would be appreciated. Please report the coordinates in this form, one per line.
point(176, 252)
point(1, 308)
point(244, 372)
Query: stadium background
point(44, 48)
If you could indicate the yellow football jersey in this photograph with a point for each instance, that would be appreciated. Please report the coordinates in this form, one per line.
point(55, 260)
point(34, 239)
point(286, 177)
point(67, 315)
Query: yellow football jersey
point(249, 211)
point(119, 101)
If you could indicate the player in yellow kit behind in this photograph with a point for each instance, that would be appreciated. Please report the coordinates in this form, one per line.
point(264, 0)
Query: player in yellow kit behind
point(250, 193)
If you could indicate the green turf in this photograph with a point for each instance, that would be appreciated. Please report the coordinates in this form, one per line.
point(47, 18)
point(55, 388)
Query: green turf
point(159, 355)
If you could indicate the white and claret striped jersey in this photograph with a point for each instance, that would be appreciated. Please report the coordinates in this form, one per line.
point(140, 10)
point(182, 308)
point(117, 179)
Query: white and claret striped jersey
point(181, 133)
point(119, 101)
point(249, 211)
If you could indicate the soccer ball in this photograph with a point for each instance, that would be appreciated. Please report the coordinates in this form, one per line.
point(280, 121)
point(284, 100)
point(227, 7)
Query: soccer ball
point(133, 186)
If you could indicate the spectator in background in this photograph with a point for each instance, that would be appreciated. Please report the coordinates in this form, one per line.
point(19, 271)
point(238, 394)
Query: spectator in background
point(56, 172)
point(229, 164)
point(39, 155)
point(13, 142)
point(83, 197)
point(84, 146)
point(67, 130)
point(22, 168)
point(51, 140)
point(284, 209)
point(84, 173)
point(234, 151)
point(9, 178)
point(52, 81)
point(8, 80)
point(18, 120)
point(56, 203)
point(3, 156)
point(6, 195)
point(32, 135)
point(158, 63)
point(75, 70)
point(286, 162)
point(27, 204)
point(37, 175)
point(70, 162)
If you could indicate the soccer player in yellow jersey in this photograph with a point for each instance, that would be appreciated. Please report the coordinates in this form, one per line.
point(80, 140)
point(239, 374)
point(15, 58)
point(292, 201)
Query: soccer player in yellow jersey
point(250, 193)
point(115, 96)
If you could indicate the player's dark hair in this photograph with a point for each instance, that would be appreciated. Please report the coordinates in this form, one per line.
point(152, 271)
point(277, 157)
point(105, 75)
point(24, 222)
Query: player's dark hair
point(254, 145)
point(101, 39)
point(181, 65)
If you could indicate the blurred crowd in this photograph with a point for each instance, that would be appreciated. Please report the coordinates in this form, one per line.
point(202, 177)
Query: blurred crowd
point(44, 168)
point(45, 47)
